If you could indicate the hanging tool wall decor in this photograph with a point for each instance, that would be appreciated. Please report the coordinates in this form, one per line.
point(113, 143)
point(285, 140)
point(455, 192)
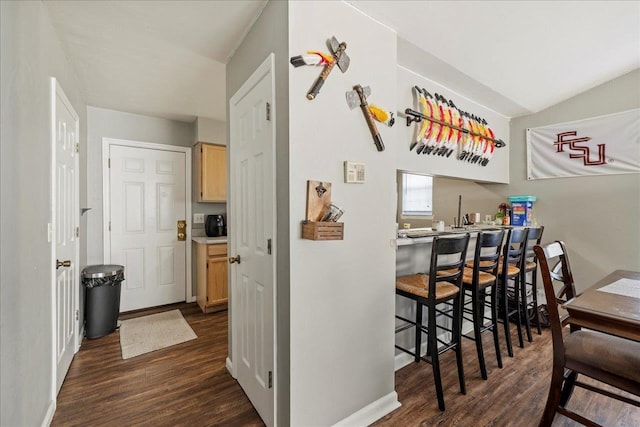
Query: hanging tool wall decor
point(444, 128)
point(337, 57)
point(358, 97)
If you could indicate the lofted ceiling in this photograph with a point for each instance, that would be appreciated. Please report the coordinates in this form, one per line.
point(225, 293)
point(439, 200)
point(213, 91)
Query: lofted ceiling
point(515, 57)
point(167, 58)
point(158, 58)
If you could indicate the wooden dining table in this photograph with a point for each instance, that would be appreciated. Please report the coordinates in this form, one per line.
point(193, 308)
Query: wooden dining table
point(612, 313)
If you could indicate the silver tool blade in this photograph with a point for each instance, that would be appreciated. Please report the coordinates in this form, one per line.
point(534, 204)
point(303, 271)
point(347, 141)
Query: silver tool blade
point(353, 100)
point(334, 44)
point(342, 60)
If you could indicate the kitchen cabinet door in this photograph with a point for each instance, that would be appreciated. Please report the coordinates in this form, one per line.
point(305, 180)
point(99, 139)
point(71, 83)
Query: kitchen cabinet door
point(211, 173)
point(217, 280)
point(211, 277)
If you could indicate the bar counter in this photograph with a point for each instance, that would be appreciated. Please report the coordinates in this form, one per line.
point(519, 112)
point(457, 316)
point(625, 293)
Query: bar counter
point(413, 256)
point(413, 253)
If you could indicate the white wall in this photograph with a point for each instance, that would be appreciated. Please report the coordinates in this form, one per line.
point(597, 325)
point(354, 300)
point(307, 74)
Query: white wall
point(103, 123)
point(498, 168)
point(342, 292)
point(210, 130)
point(475, 198)
point(31, 54)
point(596, 216)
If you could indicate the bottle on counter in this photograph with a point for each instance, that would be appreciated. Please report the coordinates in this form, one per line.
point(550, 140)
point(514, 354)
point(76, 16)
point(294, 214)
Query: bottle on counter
point(506, 219)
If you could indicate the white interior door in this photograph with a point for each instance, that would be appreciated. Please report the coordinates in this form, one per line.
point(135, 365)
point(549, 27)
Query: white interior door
point(147, 199)
point(252, 228)
point(66, 214)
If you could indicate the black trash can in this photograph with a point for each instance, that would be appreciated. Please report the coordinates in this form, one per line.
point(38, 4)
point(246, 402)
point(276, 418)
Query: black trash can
point(102, 297)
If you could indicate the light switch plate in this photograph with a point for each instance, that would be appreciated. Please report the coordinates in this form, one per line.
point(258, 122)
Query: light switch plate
point(354, 172)
point(198, 218)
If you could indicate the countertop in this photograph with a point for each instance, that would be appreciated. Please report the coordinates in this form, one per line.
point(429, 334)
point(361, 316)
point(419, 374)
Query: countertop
point(430, 234)
point(210, 240)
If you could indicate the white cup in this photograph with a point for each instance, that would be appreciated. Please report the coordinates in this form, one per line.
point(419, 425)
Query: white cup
point(438, 225)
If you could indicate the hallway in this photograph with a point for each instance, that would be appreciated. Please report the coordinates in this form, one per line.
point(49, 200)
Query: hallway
point(187, 384)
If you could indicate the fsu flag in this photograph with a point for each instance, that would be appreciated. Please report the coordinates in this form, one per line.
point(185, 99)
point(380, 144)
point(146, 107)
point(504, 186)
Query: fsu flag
point(605, 145)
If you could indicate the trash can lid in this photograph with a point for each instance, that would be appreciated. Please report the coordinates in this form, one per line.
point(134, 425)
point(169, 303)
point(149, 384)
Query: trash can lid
point(99, 271)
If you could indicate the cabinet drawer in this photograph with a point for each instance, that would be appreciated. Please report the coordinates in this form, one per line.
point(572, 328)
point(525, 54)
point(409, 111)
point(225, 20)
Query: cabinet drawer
point(219, 249)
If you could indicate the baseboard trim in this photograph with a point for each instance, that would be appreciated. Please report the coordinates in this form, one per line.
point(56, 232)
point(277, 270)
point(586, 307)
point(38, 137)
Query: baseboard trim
point(48, 417)
point(401, 360)
point(229, 366)
point(372, 412)
point(80, 337)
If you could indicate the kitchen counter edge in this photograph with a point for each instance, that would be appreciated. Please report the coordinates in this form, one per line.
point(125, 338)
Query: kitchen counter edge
point(210, 240)
point(407, 241)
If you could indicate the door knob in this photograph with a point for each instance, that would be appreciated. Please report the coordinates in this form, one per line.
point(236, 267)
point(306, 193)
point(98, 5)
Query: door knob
point(234, 259)
point(66, 263)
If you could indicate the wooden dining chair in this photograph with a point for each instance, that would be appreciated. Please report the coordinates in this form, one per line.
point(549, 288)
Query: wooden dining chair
point(606, 358)
point(440, 292)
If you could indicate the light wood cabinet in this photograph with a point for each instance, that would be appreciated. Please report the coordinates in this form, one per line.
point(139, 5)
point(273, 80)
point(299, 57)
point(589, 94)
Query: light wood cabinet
point(211, 277)
point(211, 173)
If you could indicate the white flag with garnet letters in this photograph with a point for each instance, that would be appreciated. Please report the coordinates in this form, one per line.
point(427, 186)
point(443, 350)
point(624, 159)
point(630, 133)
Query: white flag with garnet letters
point(605, 145)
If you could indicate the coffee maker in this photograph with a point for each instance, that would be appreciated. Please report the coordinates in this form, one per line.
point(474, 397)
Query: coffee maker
point(215, 226)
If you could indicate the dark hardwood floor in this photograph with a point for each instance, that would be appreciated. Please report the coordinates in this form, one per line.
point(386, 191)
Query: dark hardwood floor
point(188, 385)
point(512, 396)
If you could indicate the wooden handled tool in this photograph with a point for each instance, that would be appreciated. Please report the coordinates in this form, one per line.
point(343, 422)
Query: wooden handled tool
point(340, 58)
point(358, 96)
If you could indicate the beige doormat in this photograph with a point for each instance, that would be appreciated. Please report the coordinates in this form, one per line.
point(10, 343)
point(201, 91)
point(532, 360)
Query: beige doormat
point(149, 333)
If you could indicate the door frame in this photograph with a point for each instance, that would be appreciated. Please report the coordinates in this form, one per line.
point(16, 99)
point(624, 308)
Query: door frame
point(106, 200)
point(55, 92)
point(266, 67)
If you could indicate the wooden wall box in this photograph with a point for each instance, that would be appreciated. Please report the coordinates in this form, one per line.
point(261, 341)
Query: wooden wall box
point(322, 230)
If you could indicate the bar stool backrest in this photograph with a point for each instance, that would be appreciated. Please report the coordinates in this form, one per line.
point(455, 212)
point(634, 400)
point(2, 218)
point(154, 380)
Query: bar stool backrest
point(534, 236)
point(447, 253)
point(514, 248)
point(487, 253)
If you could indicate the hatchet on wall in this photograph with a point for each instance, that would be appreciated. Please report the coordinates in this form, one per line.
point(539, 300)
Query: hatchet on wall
point(338, 57)
point(358, 96)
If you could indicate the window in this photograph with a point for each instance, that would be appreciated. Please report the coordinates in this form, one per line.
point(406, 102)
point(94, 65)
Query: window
point(417, 195)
